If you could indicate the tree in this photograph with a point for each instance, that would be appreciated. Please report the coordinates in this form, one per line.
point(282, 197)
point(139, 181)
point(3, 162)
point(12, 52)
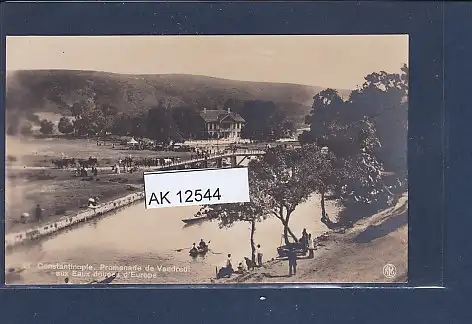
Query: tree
point(108, 112)
point(251, 212)
point(383, 98)
point(334, 124)
point(325, 172)
point(160, 125)
point(105, 110)
point(65, 126)
point(282, 181)
point(87, 119)
point(351, 171)
point(264, 121)
point(122, 124)
point(188, 121)
point(46, 126)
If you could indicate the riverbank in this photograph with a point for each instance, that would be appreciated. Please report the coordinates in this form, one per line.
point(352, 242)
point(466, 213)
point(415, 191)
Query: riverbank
point(60, 194)
point(41, 230)
point(357, 255)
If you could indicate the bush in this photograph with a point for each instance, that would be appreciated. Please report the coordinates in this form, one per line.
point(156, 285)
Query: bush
point(65, 126)
point(47, 127)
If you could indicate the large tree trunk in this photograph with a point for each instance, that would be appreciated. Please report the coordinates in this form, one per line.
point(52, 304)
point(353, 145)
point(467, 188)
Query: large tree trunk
point(323, 209)
point(253, 247)
point(286, 235)
point(288, 231)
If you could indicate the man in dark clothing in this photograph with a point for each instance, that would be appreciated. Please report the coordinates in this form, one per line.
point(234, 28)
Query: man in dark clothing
point(292, 261)
point(38, 213)
point(304, 239)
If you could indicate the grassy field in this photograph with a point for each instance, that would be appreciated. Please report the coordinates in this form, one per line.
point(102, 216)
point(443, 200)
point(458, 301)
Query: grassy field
point(60, 193)
point(41, 151)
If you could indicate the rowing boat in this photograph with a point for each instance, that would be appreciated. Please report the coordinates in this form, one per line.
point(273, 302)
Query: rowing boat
point(198, 251)
point(194, 219)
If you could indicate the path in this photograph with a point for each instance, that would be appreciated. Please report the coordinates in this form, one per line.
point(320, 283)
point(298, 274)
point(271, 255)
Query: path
point(357, 256)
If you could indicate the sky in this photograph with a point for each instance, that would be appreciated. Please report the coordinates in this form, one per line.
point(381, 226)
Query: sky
point(339, 62)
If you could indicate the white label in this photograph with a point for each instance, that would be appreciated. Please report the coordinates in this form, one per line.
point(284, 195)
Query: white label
point(196, 187)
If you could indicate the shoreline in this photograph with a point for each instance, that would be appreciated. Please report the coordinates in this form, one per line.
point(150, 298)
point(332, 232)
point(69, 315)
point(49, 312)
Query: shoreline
point(14, 239)
point(357, 255)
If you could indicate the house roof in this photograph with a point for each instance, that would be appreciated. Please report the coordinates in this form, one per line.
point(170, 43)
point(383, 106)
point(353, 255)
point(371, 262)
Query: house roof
point(219, 115)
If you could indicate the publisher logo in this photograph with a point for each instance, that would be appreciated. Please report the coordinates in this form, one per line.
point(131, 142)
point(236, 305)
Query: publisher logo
point(389, 271)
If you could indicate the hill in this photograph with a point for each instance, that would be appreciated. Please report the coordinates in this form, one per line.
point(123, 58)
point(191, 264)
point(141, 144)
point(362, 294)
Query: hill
point(33, 91)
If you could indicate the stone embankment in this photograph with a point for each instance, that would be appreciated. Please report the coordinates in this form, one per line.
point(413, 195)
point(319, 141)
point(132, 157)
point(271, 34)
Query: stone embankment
point(36, 232)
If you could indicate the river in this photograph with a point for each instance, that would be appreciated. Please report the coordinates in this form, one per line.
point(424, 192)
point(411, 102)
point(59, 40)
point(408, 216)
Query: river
point(135, 236)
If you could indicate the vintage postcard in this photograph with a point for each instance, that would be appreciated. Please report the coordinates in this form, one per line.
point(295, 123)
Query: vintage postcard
point(206, 159)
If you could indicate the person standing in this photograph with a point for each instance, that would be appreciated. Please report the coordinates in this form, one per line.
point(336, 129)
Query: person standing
point(259, 255)
point(38, 213)
point(292, 261)
point(304, 239)
point(310, 247)
point(229, 264)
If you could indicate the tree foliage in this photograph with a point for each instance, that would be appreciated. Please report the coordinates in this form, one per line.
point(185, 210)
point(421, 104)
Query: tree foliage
point(65, 126)
point(251, 212)
point(188, 121)
point(161, 126)
point(364, 133)
point(281, 179)
point(265, 121)
point(46, 126)
point(277, 186)
point(383, 98)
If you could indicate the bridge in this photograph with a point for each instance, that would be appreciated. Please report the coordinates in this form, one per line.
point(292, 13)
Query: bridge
point(218, 157)
point(193, 162)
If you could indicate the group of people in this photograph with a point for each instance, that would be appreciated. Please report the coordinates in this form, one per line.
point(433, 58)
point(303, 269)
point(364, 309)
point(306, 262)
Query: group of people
point(243, 266)
point(201, 246)
point(82, 171)
point(308, 244)
point(292, 253)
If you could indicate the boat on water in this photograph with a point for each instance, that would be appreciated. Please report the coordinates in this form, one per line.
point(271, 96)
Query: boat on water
point(194, 219)
point(198, 251)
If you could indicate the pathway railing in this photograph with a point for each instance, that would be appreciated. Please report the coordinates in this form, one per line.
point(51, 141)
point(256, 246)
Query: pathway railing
point(211, 157)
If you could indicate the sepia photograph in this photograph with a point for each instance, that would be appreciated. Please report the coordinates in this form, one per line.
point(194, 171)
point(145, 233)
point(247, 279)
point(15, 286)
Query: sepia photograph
point(306, 133)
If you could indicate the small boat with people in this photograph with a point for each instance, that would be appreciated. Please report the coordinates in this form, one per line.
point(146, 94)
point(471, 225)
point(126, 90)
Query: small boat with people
point(201, 249)
point(199, 216)
point(198, 251)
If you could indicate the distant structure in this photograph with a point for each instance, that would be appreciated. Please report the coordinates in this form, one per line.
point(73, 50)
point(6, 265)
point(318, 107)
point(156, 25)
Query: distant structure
point(222, 124)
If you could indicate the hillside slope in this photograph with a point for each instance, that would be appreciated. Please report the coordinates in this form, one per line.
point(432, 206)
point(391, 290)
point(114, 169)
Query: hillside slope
point(33, 91)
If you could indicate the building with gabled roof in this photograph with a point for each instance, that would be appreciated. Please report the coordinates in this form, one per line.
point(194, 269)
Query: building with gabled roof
point(222, 124)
